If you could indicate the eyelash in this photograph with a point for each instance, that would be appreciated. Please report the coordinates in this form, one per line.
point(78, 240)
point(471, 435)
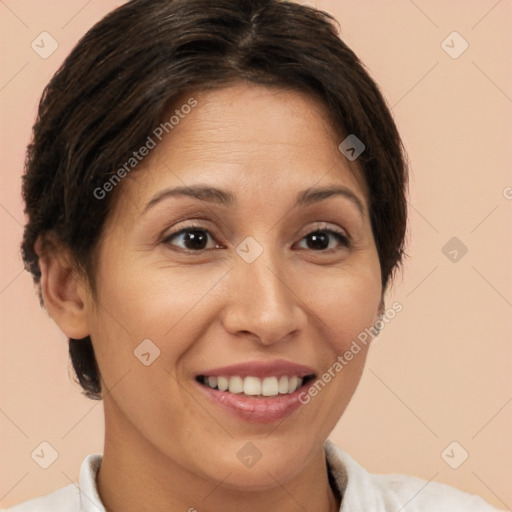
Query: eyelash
point(342, 237)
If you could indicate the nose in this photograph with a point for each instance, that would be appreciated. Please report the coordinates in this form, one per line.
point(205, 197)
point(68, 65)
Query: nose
point(262, 303)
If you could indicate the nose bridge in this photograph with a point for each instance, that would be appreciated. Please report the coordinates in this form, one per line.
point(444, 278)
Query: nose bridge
point(263, 301)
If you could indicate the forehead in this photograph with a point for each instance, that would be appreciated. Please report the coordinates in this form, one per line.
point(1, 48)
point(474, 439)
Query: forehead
point(263, 141)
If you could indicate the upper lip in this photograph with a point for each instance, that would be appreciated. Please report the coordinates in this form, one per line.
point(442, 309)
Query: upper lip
point(260, 369)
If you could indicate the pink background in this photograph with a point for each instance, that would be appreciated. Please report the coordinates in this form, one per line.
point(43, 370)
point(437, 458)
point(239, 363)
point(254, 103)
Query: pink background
point(439, 372)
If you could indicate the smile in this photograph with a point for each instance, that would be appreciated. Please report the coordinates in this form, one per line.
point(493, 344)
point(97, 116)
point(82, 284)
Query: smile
point(256, 391)
point(255, 387)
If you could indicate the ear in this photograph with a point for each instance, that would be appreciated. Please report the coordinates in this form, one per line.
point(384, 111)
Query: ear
point(380, 310)
point(382, 307)
point(380, 313)
point(63, 289)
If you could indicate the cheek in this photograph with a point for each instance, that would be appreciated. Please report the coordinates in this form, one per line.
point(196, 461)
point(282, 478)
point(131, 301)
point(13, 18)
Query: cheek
point(345, 302)
point(137, 303)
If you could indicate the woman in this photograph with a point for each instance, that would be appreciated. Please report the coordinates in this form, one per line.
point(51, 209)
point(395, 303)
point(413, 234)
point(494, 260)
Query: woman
point(216, 205)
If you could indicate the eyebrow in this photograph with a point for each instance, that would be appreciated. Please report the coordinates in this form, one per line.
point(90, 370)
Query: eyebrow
point(223, 197)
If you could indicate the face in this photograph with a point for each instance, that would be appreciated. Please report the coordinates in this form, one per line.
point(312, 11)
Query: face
point(255, 281)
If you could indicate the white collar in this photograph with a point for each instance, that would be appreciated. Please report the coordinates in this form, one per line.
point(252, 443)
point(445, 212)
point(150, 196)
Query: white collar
point(89, 498)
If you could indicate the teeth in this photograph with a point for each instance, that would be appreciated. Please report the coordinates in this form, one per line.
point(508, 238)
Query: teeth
point(283, 385)
point(253, 386)
point(270, 387)
point(293, 384)
point(222, 383)
point(236, 385)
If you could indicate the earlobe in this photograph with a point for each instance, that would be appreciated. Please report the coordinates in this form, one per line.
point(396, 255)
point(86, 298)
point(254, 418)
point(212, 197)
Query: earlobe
point(62, 289)
point(378, 323)
point(380, 311)
point(382, 308)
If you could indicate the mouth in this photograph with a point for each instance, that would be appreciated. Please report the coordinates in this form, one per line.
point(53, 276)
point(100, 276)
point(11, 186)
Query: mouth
point(255, 387)
point(258, 391)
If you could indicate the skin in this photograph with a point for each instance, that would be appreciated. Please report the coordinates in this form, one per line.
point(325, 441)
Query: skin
point(176, 448)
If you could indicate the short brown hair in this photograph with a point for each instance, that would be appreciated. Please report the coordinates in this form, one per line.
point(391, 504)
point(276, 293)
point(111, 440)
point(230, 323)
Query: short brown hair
point(116, 84)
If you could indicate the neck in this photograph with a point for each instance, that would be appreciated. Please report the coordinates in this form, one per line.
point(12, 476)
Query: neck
point(150, 481)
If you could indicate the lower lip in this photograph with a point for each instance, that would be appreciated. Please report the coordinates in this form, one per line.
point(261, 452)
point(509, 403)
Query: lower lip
point(256, 410)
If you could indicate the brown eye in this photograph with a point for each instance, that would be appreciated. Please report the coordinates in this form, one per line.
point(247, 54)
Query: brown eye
point(321, 240)
point(192, 238)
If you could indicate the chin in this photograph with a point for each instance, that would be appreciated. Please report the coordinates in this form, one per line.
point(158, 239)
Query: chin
point(255, 465)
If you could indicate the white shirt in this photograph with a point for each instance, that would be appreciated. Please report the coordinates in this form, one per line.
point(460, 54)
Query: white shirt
point(361, 491)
